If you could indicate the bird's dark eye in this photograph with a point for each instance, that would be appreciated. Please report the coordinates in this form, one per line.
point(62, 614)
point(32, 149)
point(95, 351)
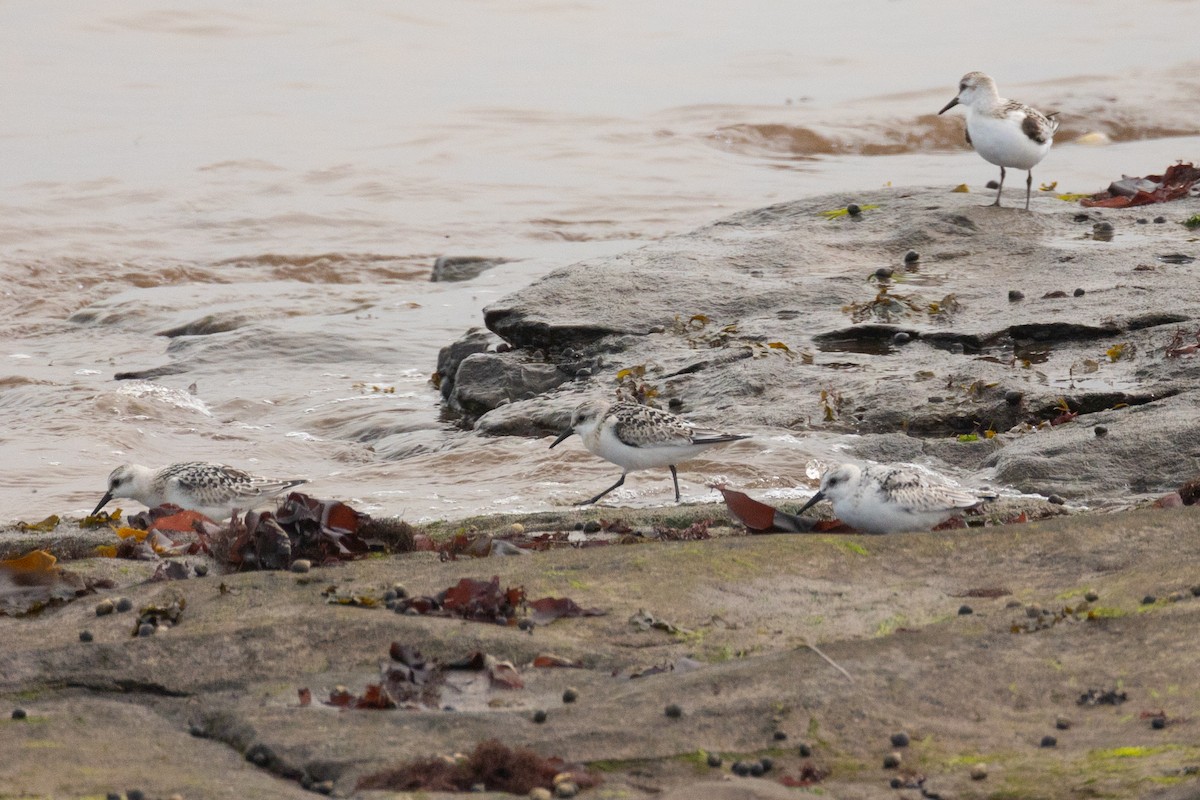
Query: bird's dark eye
point(834, 481)
point(962, 87)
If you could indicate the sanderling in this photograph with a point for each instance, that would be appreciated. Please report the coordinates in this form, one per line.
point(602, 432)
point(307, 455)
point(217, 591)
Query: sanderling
point(214, 490)
point(1004, 132)
point(888, 499)
point(633, 437)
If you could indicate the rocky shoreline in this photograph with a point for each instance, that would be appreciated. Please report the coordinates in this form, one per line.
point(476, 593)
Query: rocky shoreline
point(1049, 659)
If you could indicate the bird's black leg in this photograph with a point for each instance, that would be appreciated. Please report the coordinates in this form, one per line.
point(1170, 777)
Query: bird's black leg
point(675, 477)
point(1028, 188)
point(620, 480)
point(1001, 189)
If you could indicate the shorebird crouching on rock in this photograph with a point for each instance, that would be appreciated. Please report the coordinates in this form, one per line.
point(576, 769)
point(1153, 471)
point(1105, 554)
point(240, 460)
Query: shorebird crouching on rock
point(636, 437)
point(889, 499)
point(214, 490)
point(1004, 132)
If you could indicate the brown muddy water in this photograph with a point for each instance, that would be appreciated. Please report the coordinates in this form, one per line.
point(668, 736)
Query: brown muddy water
point(251, 196)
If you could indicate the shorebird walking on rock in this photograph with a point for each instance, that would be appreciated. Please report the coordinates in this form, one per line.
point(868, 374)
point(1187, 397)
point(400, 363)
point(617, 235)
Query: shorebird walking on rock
point(214, 490)
point(636, 437)
point(1004, 132)
point(889, 499)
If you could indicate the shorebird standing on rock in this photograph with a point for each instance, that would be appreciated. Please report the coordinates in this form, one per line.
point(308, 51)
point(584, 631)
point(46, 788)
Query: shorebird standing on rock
point(1004, 132)
point(214, 490)
point(636, 437)
point(889, 499)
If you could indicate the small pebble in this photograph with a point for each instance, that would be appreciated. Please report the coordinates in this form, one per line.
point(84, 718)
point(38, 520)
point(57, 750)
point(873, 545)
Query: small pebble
point(1196, 590)
point(1033, 610)
point(1091, 596)
point(1014, 295)
point(911, 256)
point(978, 772)
point(1158, 723)
point(301, 565)
point(19, 713)
point(104, 607)
point(1013, 603)
point(883, 273)
point(779, 736)
point(1013, 397)
point(1049, 741)
point(526, 625)
point(741, 768)
point(957, 349)
point(1103, 227)
point(1159, 220)
point(891, 761)
point(1056, 500)
point(1062, 723)
point(853, 210)
point(1079, 292)
point(85, 636)
point(570, 695)
point(896, 783)
point(539, 716)
point(963, 610)
point(124, 604)
point(900, 739)
point(673, 711)
point(146, 629)
point(400, 590)
point(714, 760)
point(201, 569)
point(566, 789)
point(756, 769)
point(539, 793)
point(112, 796)
point(1142, 220)
point(994, 185)
point(1175, 597)
point(804, 750)
point(1100, 431)
point(323, 787)
point(675, 403)
point(135, 794)
point(591, 526)
point(389, 596)
point(1149, 600)
point(901, 337)
point(768, 764)
point(516, 529)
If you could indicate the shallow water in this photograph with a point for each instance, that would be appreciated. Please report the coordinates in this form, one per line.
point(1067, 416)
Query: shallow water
point(271, 190)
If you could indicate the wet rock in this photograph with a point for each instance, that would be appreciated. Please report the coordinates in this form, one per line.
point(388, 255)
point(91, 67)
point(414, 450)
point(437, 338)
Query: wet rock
point(884, 273)
point(450, 356)
point(1015, 294)
point(146, 629)
point(853, 209)
point(779, 736)
point(804, 750)
point(1100, 430)
point(19, 713)
point(1158, 722)
point(1048, 741)
point(741, 768)
point(900, 739)
point(767, 764)
point(85, 636)
point(539, 716)
point(1149, 600)
point(462, 268)
point(1091, 596)
point(1055, 499)
point(123, 604)
point(484, 381)
point(570, 695)
point(673, 711)
point(964, 610)
point(911, 256)
point(1159, 220)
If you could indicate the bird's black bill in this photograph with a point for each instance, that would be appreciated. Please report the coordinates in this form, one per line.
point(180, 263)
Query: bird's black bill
point(561, 436)
point(812, 501)
point(949, 106)
point(103, 502)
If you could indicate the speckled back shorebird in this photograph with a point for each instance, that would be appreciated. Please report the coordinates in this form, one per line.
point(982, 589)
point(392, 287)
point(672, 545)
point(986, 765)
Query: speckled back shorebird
point(214, 490)
point(1004, 132)
point(882, 498)
point(636, 437)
